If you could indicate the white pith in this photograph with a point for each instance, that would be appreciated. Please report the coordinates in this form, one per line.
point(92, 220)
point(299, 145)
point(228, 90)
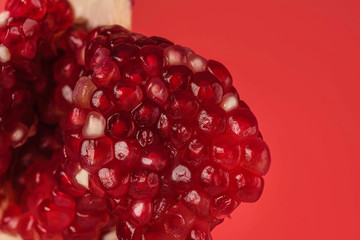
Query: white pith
point(103, 12)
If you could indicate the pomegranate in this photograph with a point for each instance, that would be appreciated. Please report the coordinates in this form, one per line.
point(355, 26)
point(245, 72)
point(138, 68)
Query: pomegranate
point(133, 137)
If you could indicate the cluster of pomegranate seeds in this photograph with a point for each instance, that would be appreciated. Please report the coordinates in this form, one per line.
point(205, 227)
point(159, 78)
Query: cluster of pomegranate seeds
point(136, 137)
point(28, 33)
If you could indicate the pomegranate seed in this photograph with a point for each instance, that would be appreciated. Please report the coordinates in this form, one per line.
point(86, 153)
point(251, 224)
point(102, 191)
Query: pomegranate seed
point(147, 137)
point(214, 180)
point(225, 152)
point(229, 102)
point(102, 101)
point(87, 221)
point(177, 77)
point(66, 70)
point(120, 125)
point(113, 180)
point(134, 73)
point(247, 187)
point(155, 158)
point(180, 134)
point(220, 71)
point(223, 205)
point(94, 125)
point(182, 106)
point(124, 53)
point(164, 125)
point(144, 185)
point(181, 178)
point(176, 55)
point(197, 152)
point(177, 222)
point(201, 231)
point(96, 51)
point(206, 88)
point(125, 230)
point(7, 78)
point(146, 114)
point(141, 211)
point(156, 91)
point(76, 119)
point(127, 95)
point(83, 92)
point(152, 59)
point(242, 123)
point(255, 157)
point(96, 153)
point(196, 63)
point(127, 152)
point(105, 72)
point(197, 201)
point(211, 121)
point(55, 218)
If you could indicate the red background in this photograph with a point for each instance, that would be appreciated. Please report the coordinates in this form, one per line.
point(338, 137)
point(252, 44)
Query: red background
point(296, 63)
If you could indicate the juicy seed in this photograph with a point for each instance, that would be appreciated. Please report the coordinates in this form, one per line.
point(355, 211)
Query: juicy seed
point(94, 126)
point(5, 54)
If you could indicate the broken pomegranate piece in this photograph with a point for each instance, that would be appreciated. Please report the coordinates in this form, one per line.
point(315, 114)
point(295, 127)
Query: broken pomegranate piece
point(109, 133)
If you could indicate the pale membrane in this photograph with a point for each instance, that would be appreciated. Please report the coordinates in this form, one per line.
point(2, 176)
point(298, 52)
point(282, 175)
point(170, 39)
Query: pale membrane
point(103, 12)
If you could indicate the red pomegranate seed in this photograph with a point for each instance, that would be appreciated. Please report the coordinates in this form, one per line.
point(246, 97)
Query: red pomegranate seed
point(146, 137)
point(127, 95)
point(247, 187)
point(225, 151)
point(223, 205)
point(206, 88)
point(200, 231)
point(214, 180)
point(102, 101)
point(152, 59)
point(96, 153)
point(105, 72)
point(220, 71)
point(157, 91)
point(182, 106)
point(141, 211)
point(155, 158)
point(144, 184)
point(146, 114)
point(255, 157)
point(125, 230)
point(211, 120)
point(127, 152)
point(7, 78)
point(124, 53)
point(55, 218)
point(242, 123)
point(197, 201)
point(113, 179)
point(177, 77)
point(181, 178)
point(120, 125)
point(83, 92)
